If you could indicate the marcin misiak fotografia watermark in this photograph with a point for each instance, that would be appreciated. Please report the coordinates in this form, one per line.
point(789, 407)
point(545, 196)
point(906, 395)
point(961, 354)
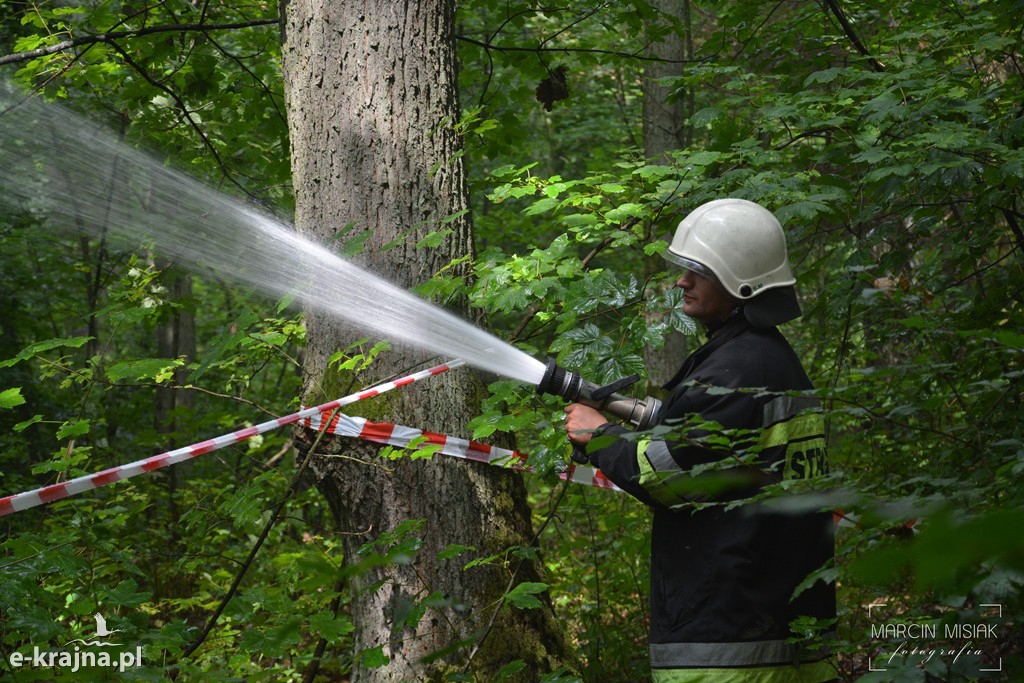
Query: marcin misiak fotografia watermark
point(970, 647)
point(91, 654)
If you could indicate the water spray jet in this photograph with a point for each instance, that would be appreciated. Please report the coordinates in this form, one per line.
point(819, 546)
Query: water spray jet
point(80, 177)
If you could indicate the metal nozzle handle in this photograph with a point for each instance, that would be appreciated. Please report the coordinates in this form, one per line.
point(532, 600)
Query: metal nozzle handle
point(570, 386)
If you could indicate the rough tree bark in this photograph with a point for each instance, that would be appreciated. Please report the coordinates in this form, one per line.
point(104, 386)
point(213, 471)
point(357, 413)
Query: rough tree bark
point(666, 113)
point(666, 128)
point(372, 102)
point(175, 337)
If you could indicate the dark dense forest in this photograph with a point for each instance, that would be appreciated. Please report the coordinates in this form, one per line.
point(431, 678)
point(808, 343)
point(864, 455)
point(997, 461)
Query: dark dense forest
point(530, 196)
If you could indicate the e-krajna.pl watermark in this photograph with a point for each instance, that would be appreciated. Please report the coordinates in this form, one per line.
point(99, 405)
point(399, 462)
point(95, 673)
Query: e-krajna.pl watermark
point(84, 656)
point(78, 659)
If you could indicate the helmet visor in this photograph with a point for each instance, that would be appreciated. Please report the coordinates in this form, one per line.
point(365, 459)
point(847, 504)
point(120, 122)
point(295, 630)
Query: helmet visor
point(682, 261)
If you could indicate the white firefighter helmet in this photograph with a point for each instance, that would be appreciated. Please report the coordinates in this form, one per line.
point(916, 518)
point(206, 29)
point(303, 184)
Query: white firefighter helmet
point(741, 245)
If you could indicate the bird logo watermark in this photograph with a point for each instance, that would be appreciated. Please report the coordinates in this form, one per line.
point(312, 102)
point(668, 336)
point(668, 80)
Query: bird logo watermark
point(83, 653)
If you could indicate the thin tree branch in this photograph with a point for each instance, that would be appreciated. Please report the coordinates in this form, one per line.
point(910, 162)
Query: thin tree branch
point(188, 117)
point(110, 37)
point(34, 555)
point(579, 20)
point(1011, 220)
point(757, 29)
point(274, 516)
point(845, 345)
point(241, 65)
point(816, 133)
point(578, 50)
point(978, 271)
point(318, 653)
point(126, 385)
point(851, 34)
point(535, 309)
point(512, 579)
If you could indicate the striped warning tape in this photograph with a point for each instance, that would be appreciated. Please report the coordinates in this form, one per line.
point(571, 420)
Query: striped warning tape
point(48, 494)
point(311, 417)
point(418, 439)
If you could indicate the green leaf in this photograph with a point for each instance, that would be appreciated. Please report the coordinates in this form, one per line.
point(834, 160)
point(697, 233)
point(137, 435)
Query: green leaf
point(1011, 339)
point(823, 76)
point(127, 594)
point(374, 658)
point(28, 43)
point(704, 158)
point(803, 211)
point(22, 426)
point(145, 368)
point(9, 398)
point(434, 239)
point(356, 244)
point(541, 206)
point(626, 211)
point(481, 561)
point(578, 220)
point(453, 550)
point(331, 627)
point(273, 642)
point(39, 347)
point(510, 299)
point(510, 669)
point(73, 429)
point(485, 425)
point(245, 505)
point(316, 572)
point(523, 596)
point(451, 218)
point(946, 547)
point(706, 116)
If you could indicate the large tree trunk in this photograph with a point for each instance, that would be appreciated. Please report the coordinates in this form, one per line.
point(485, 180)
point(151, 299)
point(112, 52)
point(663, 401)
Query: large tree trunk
point(666, 113)
point(175, 337)
point(666, 128)
point(372, 103)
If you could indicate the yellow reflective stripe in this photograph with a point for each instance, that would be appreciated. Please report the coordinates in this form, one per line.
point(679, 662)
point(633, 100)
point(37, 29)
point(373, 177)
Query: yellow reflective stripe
point(804, 438)
point(806, 456)
point(801, 427)
point(805, 459)
point(815, 672)
point(656, 483)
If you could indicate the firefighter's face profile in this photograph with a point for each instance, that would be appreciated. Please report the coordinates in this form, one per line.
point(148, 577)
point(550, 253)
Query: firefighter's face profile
point(704, 300)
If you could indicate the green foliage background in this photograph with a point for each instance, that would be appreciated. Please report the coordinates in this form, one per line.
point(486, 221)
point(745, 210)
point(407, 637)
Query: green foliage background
point(890, 147)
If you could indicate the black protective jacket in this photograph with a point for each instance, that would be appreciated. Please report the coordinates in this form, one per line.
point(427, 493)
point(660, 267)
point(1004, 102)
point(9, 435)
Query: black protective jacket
point(722, 579)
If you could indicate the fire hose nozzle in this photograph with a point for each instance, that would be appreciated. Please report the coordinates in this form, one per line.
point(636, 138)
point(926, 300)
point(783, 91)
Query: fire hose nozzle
point(640, 414)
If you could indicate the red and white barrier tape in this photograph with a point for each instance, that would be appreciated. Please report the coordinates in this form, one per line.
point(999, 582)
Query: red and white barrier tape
point(417, 439)
point(48, 494)
point(358, 427)
point(401, 436)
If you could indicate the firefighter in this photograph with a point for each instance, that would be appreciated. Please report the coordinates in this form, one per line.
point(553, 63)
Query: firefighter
point(723, 576)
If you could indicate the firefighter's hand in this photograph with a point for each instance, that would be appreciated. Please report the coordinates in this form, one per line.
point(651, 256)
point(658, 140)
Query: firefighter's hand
point(581, 421)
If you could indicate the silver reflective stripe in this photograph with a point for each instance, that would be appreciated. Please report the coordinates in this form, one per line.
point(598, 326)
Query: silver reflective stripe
point(660, 458)
point(785, 407)
point(758, 653)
